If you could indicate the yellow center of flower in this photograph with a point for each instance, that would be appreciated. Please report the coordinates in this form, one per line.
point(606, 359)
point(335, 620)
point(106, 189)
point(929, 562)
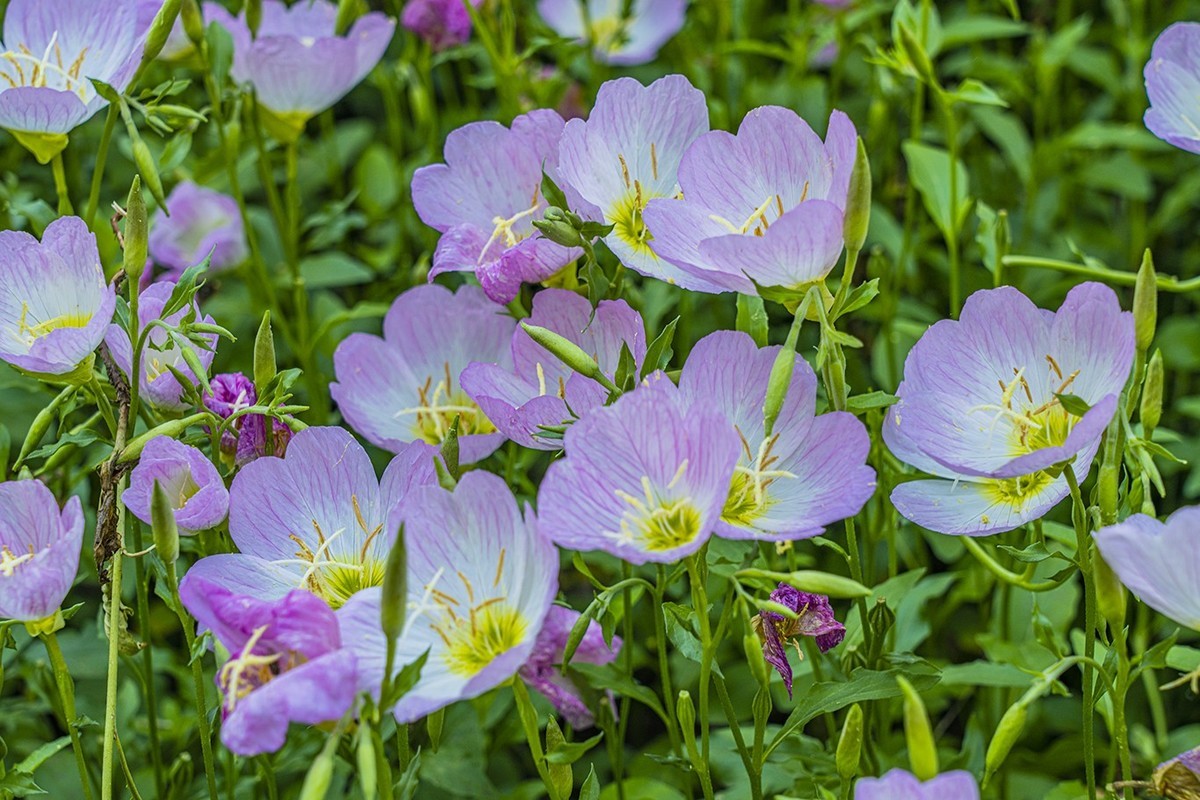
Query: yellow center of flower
point(336, 579)
point(438, 405)
point(53, 69)
point(748, 497)
point(626, 215)
point(608, 34)
point(656, 524)
point(504, 229)
point(246, 672)
point(10, 562)
point(1033, 424)
point(30, 330)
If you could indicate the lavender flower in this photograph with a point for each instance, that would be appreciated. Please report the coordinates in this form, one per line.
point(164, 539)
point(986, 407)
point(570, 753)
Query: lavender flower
point(195, 488)
point(1158, 561)
point(404, 387)
point(644, 479)
point(202, 221)
point(538, 389)
point(1178, 776)
point(614, 37)
point(897, 784)
point(979, 407)
point(39, 550)
point(814, 617)
point(1173, 83)
point(316, 519)
point(811, 471)
point(481, 580)
point(286, 663)
point(56, 305)
point(485, 198)
point(626, 154)
point(543, 669)
point(442, 23)
point(763, 208)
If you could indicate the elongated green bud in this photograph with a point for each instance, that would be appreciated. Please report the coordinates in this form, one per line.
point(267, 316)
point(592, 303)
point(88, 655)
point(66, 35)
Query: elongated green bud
point(849, 748)
point(253, 16)
point(347, 12)
point(193, 21)
point(561, 775)
point(1008, 732)
point(319, 778)
point(264, 355)
point(1108, 478)
point(148, 169)
point(136, 232)
point(917, 56)
point(449, 450)
point(434, 724)
point(198, 371)
point(686, 713)
point(170, 428)
point(1145, 303)
point(162, 523)
point(393, 604)
point(752, 646)
point(858, 201)
point(1152, 395)
point(777, 386)
point(368, 775)
point(160, 29)
point(42, 422)
point(568, 353)
point(918, 734)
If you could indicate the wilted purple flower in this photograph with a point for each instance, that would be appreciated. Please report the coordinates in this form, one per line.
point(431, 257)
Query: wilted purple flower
point(39, 550)
point(233, 392)
point(763, 207)
point(316, 519)
point(53, 50)
point(195, 488)
point(442, 23)
point(178, 45)
point(163, 350)
point(404, 387)
point(616, 38)
point(1178, 776)
point(480, 581)
point(202, 221)
point(56, 305)
point(626, 154)
point(485, 198)
point(543, 669)
point(1158, 561)
point(814, 617)
point(979, 407)
point(900, 785)
point(644, 478)
point(538, 389)
point(286, 662)
point(252, 438)
point(297, 64)
point(1173, 84)
point(811, 471)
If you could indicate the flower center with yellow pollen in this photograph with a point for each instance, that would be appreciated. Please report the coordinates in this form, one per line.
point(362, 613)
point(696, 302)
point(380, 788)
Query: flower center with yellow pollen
point(749, 498)
point(29, 331)
point(656, 524)
point(242, 675)
point(437, 406)
point(626, 215)
point(10, 562)
point(24, 69)
point(505, 229)
point(331, 578)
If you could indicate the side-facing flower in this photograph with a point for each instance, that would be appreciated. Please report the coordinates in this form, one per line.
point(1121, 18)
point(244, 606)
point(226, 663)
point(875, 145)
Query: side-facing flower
point(814, 617)
point(644, 479)
point(316, 519)
point(480, 582)
point(980, 411)
point(539, 390)
point(1158, 561)
point(202, 221)
point(197, 493)
point(1173, 83)
point(897, 784)
point(286, 663)
point(543, 671)
point(442, 23)
point(617, 38)
point(763, 207)
point(39, 550)
point(405, 387)
point(56, 305)
point(485, 198)
point(626, 154)
point(809, 473)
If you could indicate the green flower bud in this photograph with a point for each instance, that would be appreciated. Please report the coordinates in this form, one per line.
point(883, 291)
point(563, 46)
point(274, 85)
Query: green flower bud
point(162, 523)
point(368, 776)
point(319, 778)
point(394, 600)
point(777, 386)
point(193, 21)
point(42, 422)
point(568, 353)
point(136, 232)
point(171, 428)
point(264, 356)
point(253, 10)
point(917, 56)
point(561, 775)
point(148, 169)
point(858, 201)
point(160, 29)
point(1152, 395)
point(1012, 724)
point(686, 712)
point(1145, 303)
point(918, 734)
point(849, 748)
point(752, 646)
point(1110, 594)
point(557, 227)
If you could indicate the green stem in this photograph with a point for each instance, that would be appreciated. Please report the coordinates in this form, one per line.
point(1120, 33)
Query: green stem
point(1083, 553)
point(143, 612)
point(750, 761)
point(60, 186)
point(1120, 725)
point(189, 635)
point(1166, 283)
point(529, 721)
point(700, 607)
point(1006, 575)
point(664, 664)
point(110, 124)
point(66, 693)
point(110, 701)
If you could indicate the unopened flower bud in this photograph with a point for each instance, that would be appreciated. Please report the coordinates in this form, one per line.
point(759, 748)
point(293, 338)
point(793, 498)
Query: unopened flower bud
point(136, 232)
point(567, 352)
point(561, 775)
point(253, 11)
point(162, 523)
point(160, 29)
point(917, 56)
point(1145, 303)
point(368, 775)
point(1008, 732)
point(394, 599)
point(1152, 395)
point(752, 646)
point(686, 712)
point(1110, 594)
point(556, 227)
point(193, 21)
point(319, 778)
point(777, 386)
point(918, 735)
point(858, 201)
point(264, 354)
point(148, 169)
point(849, 748)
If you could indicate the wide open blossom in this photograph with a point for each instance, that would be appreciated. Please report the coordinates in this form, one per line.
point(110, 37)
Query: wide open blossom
point(202, 221)
point(233, 392)
point(811, 471)
point(979, 409)
point(1158, 561)
point(644, 479)
point(52, 51)
point(1173, 84)
point(442, 23)
point(296, 63)
point(405, 387)
point(480, 582)
point(626, 154)
point(616, 38)
point(543, 671)
point(163, 352)
point(900, 785)
point(316, 519)
point(197, 493)
point(485, 198)
point(56, 305)
point(286, 662)
point(538, 389)
point(763, 207)
point(814, 617)
point(39, 550)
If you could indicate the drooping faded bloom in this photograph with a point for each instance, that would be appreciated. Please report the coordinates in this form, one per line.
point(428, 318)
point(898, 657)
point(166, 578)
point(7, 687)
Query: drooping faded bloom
point(195, 488)
point(644, 479)
point(539, 390)
point(202, 221)
point(1173, 84)
point(810, 472)
point(900, 785)
point(626, 154)
point(979, 407)
point(316, 519)
point(405, 387)
point(1158, 561)
point(233, 392)
point(39, 550)
point(296, 63)
point(56, 305)
point(163, 352)
point(442, 23)
point(480, 582)
point(485, 198)
point(286, 662)
point(763, 207)
point(52, 51)
point(814, 617)
point(543, 670)
point(614, 37)
point(1179, 778)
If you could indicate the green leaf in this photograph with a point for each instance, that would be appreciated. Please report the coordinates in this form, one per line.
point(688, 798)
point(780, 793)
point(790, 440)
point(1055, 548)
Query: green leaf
point(19, 784)
point(658, 354)
point(590, 790)
point(752, 318)
point(1076, 406)
point(554, 196)
point(977, 93)
point(570, 752)
point(35, 759)
point(864, 402)
point(333, 269)
point(78, 439)
point(929, 171)
point(220, 51)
